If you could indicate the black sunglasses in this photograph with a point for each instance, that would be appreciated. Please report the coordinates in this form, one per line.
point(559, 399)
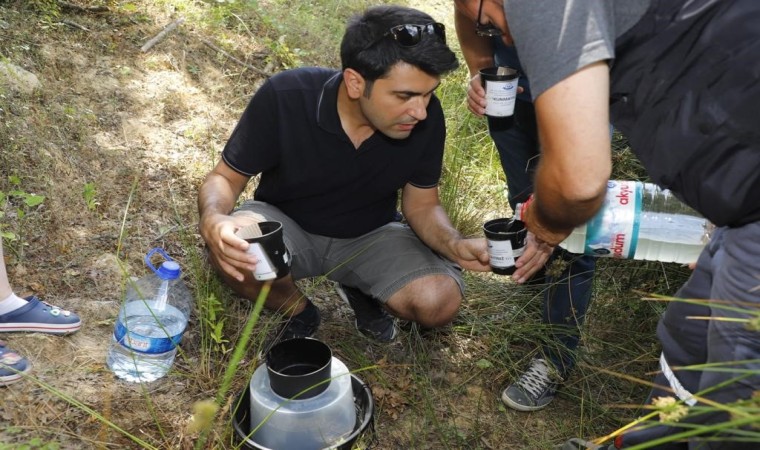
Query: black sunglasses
point(488, 29)
point(409, 35)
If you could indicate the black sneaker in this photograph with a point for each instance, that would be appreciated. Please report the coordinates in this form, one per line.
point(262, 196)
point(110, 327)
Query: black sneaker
point(303, 324)
point(372, 320)
point(534, 389)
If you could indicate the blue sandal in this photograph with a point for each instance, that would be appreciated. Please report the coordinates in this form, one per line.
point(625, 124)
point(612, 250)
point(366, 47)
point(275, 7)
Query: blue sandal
point(12, 365)
point(41, 317)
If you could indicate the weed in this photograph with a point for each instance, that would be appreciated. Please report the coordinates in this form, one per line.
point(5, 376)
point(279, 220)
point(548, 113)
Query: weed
point(89, 193)
point(37, 444)
point(20, 204)
point(49, 11)
point(281, 55)
point(211, 311)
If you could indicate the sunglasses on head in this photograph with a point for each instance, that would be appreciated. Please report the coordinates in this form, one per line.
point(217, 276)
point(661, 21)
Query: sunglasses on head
point(487, 29)
point(409, 35)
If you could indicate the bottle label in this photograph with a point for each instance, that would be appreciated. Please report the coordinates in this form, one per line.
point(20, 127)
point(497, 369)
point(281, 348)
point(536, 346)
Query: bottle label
point(614, 231)
point(500, 97)
point(502, 254)
point(144, 344)
point(264, 268)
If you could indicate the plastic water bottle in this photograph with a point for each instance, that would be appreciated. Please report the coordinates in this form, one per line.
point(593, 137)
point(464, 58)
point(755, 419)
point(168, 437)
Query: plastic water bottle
point(642, 221)
point(150, 323)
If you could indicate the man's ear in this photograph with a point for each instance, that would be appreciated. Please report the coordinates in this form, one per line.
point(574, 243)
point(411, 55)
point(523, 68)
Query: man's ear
point(355, 83)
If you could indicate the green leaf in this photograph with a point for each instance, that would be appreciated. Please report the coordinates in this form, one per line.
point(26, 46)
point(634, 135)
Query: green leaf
point(33, 200)
point(484, 364)
point(8, 235)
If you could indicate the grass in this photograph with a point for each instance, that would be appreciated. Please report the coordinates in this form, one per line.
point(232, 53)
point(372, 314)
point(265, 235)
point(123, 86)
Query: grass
point(434, 389)
point(472, 181)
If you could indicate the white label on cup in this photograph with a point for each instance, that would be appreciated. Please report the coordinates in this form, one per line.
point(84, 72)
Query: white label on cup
point(502, 254)
point(500, 97)
point(264, 269)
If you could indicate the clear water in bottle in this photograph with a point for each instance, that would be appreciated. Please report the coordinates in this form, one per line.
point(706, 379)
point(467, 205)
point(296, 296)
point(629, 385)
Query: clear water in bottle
point(144, 342)
point(642, 221)
point(662, 237)
point(150, 323)
point(671, 237)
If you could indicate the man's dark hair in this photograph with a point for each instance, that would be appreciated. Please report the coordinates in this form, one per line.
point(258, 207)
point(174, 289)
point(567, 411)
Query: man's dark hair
point(365, 50)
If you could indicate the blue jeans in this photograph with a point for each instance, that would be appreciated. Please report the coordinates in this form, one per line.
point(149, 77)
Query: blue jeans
point(567, 295)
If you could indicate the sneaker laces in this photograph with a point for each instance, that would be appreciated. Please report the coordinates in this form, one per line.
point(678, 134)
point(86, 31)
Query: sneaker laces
point(537, 379)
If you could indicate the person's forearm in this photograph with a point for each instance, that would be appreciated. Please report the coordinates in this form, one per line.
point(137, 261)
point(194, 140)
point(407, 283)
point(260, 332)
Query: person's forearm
point(571, 179)
point(559, 210)
point(433, 227)
point(217, 195)
point(477, 50)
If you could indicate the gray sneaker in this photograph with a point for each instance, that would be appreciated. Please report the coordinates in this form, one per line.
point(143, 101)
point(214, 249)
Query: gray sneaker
point(371, 318)
point(534, 389)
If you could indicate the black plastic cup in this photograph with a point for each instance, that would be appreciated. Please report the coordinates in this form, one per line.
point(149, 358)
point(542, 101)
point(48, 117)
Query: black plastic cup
point(506, 243)
point(299, 368)
point(501, 90)
point(274, 259)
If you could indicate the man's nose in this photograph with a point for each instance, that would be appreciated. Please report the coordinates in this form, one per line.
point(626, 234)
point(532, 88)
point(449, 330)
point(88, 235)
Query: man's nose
point(418, 108)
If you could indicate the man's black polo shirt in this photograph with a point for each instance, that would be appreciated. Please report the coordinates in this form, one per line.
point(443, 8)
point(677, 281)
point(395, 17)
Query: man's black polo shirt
point(291, 134)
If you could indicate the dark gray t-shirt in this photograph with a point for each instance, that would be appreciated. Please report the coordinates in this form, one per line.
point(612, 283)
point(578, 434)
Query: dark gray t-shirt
point(555, 38)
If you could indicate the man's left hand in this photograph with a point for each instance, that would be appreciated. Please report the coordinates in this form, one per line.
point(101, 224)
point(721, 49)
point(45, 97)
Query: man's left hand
point(472, 254)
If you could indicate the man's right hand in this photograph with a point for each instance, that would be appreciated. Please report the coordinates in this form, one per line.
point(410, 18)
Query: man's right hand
point(476, 96)
point(228, 251)
point(216, 198)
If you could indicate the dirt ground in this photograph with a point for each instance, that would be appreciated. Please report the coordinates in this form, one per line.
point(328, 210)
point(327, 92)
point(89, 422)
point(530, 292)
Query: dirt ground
point(142, 129)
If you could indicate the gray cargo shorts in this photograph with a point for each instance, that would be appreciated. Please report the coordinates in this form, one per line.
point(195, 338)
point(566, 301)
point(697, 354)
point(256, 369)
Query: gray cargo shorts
point(378, 263)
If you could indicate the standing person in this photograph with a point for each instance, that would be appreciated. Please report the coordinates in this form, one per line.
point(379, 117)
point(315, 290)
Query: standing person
point(679, 79)
point(566, 295)
point(334, 149)
point(26, 314)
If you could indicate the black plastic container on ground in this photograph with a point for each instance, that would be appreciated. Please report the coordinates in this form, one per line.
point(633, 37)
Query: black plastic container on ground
point(299, 366)
point(363, 402)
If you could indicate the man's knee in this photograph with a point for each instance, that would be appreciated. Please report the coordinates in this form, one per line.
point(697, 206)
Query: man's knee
point(431, 301)
point(439, 312)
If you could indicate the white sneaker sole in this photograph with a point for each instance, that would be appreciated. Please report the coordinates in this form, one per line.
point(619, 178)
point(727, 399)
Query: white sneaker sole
point(518, 406)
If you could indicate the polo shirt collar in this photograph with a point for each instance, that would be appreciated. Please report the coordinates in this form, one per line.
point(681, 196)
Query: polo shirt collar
point(327, 106)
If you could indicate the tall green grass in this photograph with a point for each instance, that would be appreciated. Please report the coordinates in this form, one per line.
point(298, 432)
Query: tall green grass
point(472, 183)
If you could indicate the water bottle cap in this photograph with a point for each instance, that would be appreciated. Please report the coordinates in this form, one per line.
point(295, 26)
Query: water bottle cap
point(169, 270)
